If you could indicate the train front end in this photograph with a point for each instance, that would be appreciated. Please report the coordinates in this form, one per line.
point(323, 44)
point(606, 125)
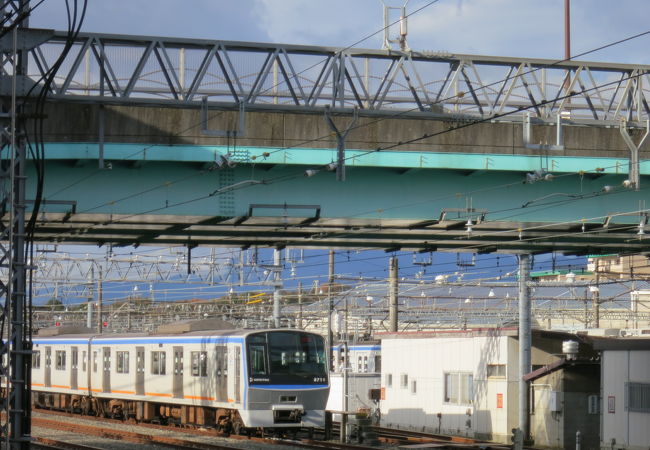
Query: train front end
point(287, 382)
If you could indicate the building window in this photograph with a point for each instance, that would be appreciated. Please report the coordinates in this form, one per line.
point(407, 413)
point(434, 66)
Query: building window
point(199, 364)
point(638, 397)
point(496, 370)
point(389, 380)
point(404, 380)
point(459, 388)
point(122, 365)
point(36, 359)
point(414, 387)
point(158, 360)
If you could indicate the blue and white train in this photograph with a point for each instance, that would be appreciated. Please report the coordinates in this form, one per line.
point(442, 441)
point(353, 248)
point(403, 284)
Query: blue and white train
point(233, 380)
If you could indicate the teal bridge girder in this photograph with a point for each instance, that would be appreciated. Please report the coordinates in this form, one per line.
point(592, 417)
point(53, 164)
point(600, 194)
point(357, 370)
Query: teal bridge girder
point(193, 142)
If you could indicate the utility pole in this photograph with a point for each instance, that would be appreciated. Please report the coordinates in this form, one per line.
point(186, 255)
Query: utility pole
point(15, 427)
point(393, 298)
point(89, 302)
point(525, 342)
point(330, 306)
point(277, 285)
point(299, 321)
point(100, 298)
point(595, 298)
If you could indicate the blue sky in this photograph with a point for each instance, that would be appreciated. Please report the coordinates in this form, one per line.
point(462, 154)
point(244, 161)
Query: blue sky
point(523, 28)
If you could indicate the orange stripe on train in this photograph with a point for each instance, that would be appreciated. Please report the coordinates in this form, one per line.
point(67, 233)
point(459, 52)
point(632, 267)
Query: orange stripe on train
point(156, 394)
point(195, 397)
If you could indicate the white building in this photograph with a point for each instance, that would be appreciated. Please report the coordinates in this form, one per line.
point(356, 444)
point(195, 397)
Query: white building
point(466, 383)
point(363, 378)
point(625, 373)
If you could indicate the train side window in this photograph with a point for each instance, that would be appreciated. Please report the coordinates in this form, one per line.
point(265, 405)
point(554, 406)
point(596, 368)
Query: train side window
point(94, 361)
point(84, 361)
point(122, 365)
point(36, 359)
point(359, 365)
point(199, 364)
point(107, 359)
point(365, 364)
point(74, 358)
point(221, 357)
point(389, 380)
point(60, 359)
point(158, 361)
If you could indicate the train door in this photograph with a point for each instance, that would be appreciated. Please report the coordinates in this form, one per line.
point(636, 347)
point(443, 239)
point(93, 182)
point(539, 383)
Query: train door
point(237, 374)
point(178, 372)
point(221, 359)
point(139, 371)
point(74, 363)
point(47, 380)
point(106, 379)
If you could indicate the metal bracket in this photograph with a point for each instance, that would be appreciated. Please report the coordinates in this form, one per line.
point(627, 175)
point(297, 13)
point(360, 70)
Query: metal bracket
point(634, 180)
point(528, 134)
point(340, 141)
point(241, 125)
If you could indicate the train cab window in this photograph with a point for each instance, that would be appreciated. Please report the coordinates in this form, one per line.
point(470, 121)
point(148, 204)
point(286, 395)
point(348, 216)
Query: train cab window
point(297, 354)
point(36, 359)
point(257, 355)
point(122, 364)
point(158, 362)
point(199, 364)
point(60, 359)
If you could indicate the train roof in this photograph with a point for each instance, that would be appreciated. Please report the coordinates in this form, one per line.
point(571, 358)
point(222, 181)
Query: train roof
point(206, 328)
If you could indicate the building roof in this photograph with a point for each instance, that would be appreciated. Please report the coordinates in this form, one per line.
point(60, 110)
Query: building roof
point(477, 332)
point(636, 343)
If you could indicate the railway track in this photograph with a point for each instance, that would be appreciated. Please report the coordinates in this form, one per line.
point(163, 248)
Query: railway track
point(42, 443)
point(169, 442)
point(406, 438)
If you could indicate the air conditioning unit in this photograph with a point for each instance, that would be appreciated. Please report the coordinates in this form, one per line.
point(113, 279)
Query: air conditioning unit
point(629, 333)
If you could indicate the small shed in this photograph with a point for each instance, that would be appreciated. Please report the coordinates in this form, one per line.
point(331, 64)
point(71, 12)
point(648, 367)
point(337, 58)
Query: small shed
point(625, 373)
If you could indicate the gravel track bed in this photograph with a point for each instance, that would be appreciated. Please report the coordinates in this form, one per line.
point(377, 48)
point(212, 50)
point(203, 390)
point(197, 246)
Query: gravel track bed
point(122, 445)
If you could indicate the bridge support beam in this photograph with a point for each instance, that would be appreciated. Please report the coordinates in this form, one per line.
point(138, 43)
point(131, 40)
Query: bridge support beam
point(634, 176)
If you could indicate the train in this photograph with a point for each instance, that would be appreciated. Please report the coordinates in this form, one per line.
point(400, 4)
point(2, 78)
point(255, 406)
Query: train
point(235, 380)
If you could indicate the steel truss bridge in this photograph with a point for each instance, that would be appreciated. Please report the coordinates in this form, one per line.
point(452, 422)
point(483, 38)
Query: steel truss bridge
point(186, 72)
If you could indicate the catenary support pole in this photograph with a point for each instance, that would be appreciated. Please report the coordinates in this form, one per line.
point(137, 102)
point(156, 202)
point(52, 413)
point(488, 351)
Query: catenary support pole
point(392, 310)
point(330, 304)
point(277, 285)
point(525, 342)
